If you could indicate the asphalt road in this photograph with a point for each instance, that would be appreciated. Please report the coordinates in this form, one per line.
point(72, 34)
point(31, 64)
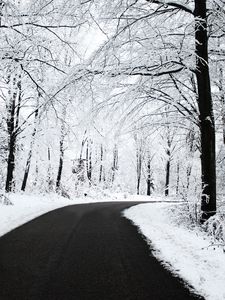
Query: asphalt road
point(83, 252)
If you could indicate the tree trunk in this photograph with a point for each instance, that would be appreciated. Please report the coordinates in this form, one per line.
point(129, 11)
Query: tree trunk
point(27, 168)
point(61, 156)
point(167, 178)
point(188, 173)
point(222, 97)
point(89, 161)
point(115, 162)
point(178, 179)
point(36, 174)
point(10, 164)
point(206, 117)
point(61, 150)
point(139, 167)
point(49, 175)
point(11, 122)
point(19, 89)
point(149, 177)
point(101, 164)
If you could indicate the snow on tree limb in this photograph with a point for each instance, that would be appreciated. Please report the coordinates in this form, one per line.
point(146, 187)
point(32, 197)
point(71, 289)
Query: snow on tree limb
point(175, 4)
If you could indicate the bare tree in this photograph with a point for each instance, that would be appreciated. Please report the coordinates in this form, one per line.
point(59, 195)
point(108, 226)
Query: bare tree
point(61, 150)
point(114, 163)
point(149, 179)
point(28, 162)
point(13, 107)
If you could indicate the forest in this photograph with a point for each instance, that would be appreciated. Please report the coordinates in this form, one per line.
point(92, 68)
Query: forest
point(114, 96)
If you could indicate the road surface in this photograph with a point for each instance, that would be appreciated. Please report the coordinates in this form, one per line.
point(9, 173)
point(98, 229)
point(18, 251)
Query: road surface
point(83, 252)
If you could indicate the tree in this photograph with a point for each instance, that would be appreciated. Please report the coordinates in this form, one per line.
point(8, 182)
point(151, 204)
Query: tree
point(101, 163)
point(149, 173)
point(61, 150)
point(205, 105)
point(114, 163)
point(168, 65)
point(13, 107)
point(140, 148)
point(36, 36)
point(28, 162)
point(206, 116)
point(89, 160)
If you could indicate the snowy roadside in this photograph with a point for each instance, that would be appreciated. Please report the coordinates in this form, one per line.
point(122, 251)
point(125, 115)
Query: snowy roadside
point(183, 251)
point(29, 206)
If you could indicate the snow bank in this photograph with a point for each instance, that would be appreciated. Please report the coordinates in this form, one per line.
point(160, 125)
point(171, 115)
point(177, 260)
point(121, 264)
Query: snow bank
point(187, 253)
point(25, 208)
point(28, 206)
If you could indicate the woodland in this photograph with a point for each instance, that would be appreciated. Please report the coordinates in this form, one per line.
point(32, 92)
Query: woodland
point(114, 96)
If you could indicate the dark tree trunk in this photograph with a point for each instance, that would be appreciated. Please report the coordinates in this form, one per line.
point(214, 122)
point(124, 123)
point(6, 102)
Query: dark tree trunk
point(178, 179)
point(19, 89)
point(61, 151)
point(139, 167)
point(10, 164)
point(167, 178)
point(82, 145)
point(115, 162)
point(49, 175)
point(27, 168)
point(149, 179)
point(59, 175)
point(12, 123)
point(101, 164)
point(221, 89)
point(188, 172)
point(206, 117)
point(89, 161)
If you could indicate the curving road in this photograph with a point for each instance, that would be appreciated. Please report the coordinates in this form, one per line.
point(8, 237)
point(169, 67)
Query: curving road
point(83, 252)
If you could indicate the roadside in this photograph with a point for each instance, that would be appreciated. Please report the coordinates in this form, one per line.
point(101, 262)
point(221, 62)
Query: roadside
point(186, 251)
point(25, 207)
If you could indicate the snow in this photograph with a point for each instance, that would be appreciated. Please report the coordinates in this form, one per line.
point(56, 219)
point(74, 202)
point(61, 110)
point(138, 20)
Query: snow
point(187, 252)
point(184, 251)
point(26, 207)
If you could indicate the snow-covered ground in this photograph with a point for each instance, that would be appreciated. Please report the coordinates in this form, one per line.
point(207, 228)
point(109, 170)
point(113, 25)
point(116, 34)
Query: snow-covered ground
point(26, 207)
point(187, 252)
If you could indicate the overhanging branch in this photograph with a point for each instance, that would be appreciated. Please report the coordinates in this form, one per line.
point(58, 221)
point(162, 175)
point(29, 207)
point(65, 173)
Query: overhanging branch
point(174, 4)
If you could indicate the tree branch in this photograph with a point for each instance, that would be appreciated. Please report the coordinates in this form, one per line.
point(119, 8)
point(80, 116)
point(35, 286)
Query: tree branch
point(174, 4)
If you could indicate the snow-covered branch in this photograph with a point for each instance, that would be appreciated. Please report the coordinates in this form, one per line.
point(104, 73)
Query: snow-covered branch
point(175, 4)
